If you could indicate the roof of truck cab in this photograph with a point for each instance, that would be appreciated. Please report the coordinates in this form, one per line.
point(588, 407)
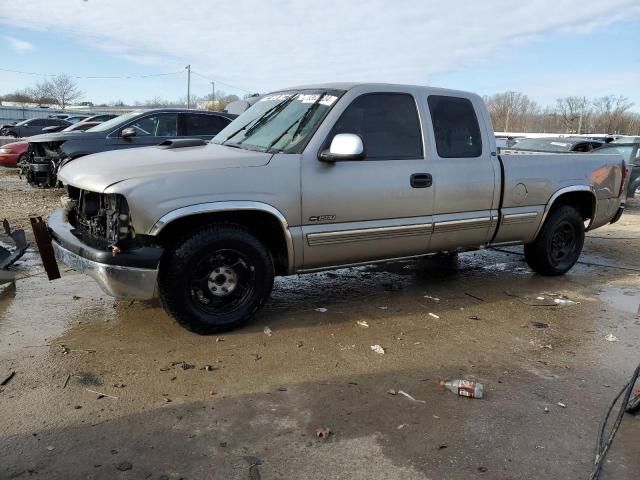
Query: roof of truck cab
point(350, 85)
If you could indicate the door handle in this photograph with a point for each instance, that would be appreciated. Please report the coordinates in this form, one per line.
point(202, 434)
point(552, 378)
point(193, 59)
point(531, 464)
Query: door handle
point(421, 180)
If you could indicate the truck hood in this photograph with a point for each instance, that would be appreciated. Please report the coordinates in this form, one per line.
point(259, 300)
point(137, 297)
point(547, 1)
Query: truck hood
point(98, 171)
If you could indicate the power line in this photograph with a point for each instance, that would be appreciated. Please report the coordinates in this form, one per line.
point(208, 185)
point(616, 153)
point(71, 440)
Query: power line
point(221, 83)
point(92, 76)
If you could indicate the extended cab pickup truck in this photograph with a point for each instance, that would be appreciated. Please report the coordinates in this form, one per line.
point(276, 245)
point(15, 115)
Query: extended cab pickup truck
point(320, 177)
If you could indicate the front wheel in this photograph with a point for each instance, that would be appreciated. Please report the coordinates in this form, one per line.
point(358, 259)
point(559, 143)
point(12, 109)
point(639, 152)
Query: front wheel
point(215, 279)
point(559, 243)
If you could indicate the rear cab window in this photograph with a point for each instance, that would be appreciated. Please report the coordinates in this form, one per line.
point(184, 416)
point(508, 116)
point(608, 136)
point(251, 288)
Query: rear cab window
point(203, 124)
point(455, 127)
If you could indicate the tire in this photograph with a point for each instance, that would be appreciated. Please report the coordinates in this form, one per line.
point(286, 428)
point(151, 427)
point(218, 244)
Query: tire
point(215, 279)
point(559, 243)
point(21, 159)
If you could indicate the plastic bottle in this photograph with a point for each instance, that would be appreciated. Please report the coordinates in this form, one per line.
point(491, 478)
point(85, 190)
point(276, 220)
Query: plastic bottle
point(463, 388)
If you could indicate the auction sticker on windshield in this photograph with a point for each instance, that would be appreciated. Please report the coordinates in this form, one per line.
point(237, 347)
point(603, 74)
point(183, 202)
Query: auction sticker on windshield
point(276, 96)
point(327, 100)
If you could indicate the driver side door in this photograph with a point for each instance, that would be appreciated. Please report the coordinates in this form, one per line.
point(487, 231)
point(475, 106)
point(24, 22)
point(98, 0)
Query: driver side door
point(149, 130)
point(370, 209)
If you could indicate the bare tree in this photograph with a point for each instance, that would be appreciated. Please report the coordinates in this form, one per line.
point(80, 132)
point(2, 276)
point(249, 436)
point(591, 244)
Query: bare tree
point(41, 93)
point(64, 90)
point(610, 112)
point(510, 110)
point(21, 96)
point(572, 112)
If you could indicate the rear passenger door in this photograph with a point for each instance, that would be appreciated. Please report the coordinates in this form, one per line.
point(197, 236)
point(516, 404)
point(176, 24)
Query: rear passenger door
point(201, 125)
point(369, 209)
point(466, 175)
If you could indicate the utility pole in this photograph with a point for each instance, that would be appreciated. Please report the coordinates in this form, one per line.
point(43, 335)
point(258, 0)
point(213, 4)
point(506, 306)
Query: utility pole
point(188, 67)
point(213, 95)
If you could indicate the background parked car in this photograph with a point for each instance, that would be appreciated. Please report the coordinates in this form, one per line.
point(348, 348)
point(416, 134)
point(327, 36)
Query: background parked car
point(32, 126)
point(103, 117)
point(554, 145)
point(76, 118)
point(630, 150)
point(12, 153)
point(134, 129)
point(81, 126)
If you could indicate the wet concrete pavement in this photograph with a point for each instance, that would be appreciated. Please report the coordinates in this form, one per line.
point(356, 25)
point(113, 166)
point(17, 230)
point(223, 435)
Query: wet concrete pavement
point(253, 413)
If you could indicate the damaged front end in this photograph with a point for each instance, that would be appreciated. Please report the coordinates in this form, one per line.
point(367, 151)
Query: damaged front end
point(42, 163)
point(100, 220)
point(93, 234)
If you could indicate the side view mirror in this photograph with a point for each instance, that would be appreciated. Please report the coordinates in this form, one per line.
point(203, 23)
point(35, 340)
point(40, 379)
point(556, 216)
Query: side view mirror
point(128, 132)
point(344, 146)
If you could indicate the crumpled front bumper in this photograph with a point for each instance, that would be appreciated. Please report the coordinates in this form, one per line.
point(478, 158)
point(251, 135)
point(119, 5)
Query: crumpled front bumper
point(131, 274)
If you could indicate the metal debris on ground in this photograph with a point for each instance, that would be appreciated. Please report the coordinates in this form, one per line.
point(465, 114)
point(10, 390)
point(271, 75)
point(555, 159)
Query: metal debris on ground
point(392, 392)
point(363, 323)
point(410, 397)
point(209, 368)
point(322, 310)
point(562, 405)
point(473, 317)
point(100, 394)
point(475, 297)
point(378, 349)
point(539, 324)
point(611, 338)
point(434, 315)
point(8, 378)
point(463, 388)
point(323, 432)
point(267, 331)
point(8, 257)
point(429, 297)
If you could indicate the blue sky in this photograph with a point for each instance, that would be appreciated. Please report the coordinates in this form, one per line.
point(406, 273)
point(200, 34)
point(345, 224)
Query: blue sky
point(544, 48)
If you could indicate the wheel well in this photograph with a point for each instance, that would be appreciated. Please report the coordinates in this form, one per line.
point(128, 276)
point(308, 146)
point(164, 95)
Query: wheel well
point(584, 202)
point(266, 227)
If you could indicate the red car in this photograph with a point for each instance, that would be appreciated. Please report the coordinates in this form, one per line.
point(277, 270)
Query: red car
point(12, 153)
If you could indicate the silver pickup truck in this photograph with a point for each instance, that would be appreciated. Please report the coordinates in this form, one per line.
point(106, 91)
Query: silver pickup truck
point(321, 177)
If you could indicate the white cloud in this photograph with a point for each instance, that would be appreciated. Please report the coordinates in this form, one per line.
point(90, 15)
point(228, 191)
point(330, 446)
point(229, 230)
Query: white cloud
point(18, 45)
point(266, 45)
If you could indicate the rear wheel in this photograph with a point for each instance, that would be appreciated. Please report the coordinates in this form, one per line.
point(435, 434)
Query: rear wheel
point(216, 279)
point(559, 243)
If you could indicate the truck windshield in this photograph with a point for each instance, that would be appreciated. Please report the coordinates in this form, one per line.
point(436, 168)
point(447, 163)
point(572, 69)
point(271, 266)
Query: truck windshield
point(279, 122)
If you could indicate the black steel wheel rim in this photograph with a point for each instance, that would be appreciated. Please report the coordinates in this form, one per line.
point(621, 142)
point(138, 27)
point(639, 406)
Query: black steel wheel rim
point(221, 282)
point(563, 242)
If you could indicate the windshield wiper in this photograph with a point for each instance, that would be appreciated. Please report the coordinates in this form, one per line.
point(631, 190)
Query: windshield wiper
point(260, 120)
point(302, 121)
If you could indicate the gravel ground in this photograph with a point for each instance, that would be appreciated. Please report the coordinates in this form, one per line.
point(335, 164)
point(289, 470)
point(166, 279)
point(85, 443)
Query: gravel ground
point(19, 201)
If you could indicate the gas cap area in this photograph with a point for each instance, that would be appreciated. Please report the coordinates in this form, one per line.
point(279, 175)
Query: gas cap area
point(519, 193)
